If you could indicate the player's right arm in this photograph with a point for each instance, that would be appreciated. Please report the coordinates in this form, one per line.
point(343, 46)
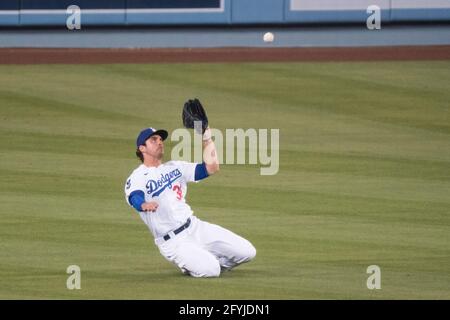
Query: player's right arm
point(135, 196)
point(194, 172)
point(137, 200)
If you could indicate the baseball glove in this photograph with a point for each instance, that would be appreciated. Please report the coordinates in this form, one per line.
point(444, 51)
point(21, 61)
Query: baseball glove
point(194, 111)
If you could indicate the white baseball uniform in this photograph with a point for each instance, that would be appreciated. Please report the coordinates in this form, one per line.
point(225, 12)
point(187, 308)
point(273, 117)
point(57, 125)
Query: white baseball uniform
point(198, 248)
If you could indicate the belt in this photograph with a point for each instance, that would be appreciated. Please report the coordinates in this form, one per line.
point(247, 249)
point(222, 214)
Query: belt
point(177, 231)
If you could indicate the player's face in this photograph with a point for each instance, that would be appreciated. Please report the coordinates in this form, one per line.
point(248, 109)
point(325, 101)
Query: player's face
point(154, 147)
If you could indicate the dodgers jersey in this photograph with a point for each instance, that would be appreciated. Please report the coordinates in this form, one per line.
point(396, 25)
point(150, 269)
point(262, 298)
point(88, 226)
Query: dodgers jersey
point(166, 185)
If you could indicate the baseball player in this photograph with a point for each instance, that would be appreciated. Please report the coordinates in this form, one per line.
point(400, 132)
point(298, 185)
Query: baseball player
point(158, 190)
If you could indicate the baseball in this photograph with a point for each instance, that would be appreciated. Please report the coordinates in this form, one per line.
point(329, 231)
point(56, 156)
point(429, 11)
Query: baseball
point(268, 37)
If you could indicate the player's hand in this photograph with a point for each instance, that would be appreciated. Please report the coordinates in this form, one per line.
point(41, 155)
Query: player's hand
point(149, 206)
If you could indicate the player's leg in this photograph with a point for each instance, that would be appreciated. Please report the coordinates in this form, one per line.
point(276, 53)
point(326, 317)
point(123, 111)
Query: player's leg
point(229, 248)
point(190, 258)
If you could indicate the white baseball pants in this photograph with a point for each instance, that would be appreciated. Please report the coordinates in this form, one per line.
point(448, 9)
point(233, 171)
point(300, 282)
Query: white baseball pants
point(205, 249)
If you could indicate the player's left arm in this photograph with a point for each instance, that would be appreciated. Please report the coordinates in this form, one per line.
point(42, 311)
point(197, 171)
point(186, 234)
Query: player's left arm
point(210, 158)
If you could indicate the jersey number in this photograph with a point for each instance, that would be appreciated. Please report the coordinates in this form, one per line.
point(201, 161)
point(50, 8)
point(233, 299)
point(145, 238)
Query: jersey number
point(177, 189)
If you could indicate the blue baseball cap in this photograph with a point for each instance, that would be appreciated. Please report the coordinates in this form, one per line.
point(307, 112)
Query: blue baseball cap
point(147, 133)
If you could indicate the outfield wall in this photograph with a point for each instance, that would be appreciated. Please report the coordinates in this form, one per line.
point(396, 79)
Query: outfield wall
point(218, 12)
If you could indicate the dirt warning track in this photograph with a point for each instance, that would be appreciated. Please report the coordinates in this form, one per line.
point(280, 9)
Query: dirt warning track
point(187, 55)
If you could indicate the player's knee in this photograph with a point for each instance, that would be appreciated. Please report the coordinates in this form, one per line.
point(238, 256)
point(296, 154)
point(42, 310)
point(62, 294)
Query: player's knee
point(251, 252)
point(247, 253)
point(207, 271)
point(213, 271)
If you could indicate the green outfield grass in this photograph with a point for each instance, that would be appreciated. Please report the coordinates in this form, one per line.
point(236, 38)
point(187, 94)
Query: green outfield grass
point(364, 179)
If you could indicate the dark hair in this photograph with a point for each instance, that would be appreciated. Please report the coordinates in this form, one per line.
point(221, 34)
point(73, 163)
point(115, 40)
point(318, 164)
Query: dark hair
point(139, 155)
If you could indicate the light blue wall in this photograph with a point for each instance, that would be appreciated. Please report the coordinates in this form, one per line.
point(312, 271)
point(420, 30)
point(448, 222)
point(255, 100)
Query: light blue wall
point(257, 11)
point(420, 14)
point(29, 19)
point(235, 12)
